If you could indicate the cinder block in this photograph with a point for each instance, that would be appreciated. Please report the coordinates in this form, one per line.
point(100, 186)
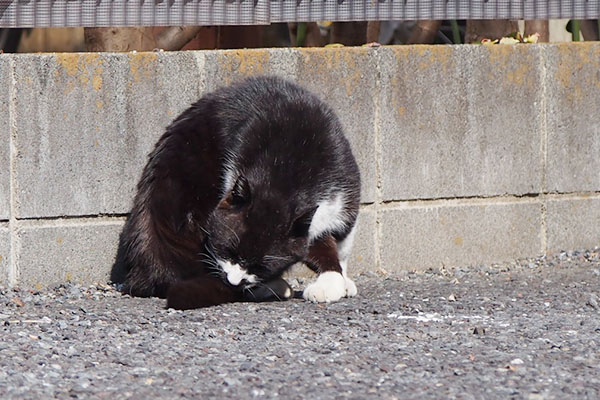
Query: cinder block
point(364, 251)
point(573, 123)
point(5, 88)
point(78, 252)
point(573, 224)
point(347, 80)
point(85, 123)
point(460, 121)
point(158, 87)
point(4, 254)
point(222, 68)
point(423, 237)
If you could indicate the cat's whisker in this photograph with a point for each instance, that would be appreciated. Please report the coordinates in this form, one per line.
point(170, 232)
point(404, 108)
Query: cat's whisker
point(206, 258)
point(215, 271)
point(277, 258)
point(210, 251)
point(210, 261)
point(215, 268)
point(215, 274)
point(237, 238)
point(270, 290)
point(247, 290)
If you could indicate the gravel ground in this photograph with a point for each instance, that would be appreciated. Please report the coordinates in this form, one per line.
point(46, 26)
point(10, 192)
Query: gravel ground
point(529, 329)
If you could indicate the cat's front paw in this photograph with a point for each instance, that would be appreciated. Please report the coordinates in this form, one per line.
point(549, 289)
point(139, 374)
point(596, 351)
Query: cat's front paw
point(329, 286)
point(351, 290)
point(276, 289)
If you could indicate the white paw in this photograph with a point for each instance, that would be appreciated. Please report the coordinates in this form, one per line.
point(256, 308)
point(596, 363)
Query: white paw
point(350, 287)
point(329, 286)
point(288, 293)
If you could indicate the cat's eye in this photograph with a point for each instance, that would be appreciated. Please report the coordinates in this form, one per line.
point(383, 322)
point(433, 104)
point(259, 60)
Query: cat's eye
point(301, 225)
point(240, 194)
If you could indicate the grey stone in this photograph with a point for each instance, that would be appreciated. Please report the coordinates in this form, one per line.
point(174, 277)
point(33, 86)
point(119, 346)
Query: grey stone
point(4, 254)
point(364, 251)
point(460, 121)
point(79, 251)
point(347, 80)
point(5, 89)
point(85, 123)
point(159, 87)
point(573, 223)
point(423, 237)
point(573, 125)
point(232, 66)
point(70, 136)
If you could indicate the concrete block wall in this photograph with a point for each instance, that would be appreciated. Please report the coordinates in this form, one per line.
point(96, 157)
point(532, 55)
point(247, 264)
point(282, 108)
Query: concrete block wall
point(469, 154)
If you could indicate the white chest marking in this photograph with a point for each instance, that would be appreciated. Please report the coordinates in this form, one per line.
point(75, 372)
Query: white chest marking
point(328, 217)
point(235, 273)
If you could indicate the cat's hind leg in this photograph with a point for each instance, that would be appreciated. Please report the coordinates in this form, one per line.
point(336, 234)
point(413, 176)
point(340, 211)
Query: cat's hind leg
point(331, 284)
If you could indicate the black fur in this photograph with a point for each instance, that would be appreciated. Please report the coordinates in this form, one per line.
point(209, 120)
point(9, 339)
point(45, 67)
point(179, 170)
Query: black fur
point(286, 152)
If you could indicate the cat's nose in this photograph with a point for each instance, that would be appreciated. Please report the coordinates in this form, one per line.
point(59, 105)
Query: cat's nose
point(247, 262)
point(237, 259)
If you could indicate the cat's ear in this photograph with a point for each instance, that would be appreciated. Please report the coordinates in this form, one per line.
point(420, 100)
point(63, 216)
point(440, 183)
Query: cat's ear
point(301, 224)
point(238, 196)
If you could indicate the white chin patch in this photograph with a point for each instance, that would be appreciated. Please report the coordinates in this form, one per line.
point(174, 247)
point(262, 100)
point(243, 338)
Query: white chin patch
point(235, 273)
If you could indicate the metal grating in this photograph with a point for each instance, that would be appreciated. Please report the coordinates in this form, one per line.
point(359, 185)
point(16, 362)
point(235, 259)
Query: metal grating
point(60, 13)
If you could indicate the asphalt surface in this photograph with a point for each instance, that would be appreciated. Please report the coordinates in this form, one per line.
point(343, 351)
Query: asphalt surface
point(526, 330)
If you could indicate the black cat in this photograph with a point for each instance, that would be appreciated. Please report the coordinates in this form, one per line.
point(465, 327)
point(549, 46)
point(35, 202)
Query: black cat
point(248, 181)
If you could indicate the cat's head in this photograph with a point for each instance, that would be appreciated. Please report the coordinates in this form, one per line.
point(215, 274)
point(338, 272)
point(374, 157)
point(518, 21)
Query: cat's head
point(255, 233)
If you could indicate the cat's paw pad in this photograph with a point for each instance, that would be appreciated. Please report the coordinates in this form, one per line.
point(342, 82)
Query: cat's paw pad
point(329, 286)
point(351, 290)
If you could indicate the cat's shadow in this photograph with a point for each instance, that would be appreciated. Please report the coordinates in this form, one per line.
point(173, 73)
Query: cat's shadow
point(118, 272)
